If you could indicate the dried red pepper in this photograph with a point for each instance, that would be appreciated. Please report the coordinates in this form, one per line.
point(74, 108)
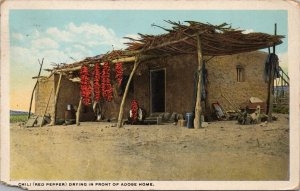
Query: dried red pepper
point(106, 86)
point(134, 110)
point(119, 72)
point(85, 86)
point(97, 77)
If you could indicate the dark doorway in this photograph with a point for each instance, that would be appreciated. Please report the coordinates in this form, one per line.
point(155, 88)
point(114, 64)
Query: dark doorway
point(158, 89)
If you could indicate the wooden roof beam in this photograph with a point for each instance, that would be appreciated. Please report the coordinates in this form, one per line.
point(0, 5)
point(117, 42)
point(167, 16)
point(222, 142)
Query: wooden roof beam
point(164, 44)
point(126, 59)
point(179, 50)
point(38, 77)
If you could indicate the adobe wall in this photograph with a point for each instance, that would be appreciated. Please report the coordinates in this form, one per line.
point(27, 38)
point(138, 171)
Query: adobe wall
point(222, 75)
point(179, 82)
point(42, 95)
point(111, 109)
point(179, 85)
point(70, 94)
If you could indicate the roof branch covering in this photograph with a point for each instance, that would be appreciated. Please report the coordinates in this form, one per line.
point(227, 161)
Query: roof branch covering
point(216, 40)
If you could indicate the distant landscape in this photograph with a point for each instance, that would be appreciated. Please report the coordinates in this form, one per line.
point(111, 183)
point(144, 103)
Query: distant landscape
point(18, 116)
point(14, 112)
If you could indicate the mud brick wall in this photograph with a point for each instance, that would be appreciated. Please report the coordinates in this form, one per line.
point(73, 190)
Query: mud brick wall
point(179, 86)
point(69, 94)
point(222, 75)
point(179, 82)
point(111, 109)
point(180, 70)
point(42, 95)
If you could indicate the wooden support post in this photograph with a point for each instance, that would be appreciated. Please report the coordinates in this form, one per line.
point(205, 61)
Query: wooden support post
point(270, 92)
point(120, 118)
point(197, 120)
point(78, 112)
point(46, 108)
point(36, 83)
point(271, 85)
point(53, 121)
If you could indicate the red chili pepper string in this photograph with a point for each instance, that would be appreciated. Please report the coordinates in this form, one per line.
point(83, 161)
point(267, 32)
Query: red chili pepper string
point(119, 72)
point(97, 82)
point(85, 86)
point(134, 109)
point(106, 86)
point(103, 80)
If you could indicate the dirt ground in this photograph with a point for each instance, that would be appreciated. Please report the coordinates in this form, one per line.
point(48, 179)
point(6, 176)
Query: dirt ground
point(224, 150)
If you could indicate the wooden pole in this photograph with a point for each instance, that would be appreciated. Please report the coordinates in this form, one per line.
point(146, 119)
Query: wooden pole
point(120, 118)
point(78, 112)
point(126, 59)
point(271, 84)
point(275, 33)
point(197, 120)
point(46, 108)
point(37, 81)
point(55, 99)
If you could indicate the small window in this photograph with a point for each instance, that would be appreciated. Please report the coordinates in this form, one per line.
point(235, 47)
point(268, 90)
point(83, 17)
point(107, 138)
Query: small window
point(240, 73)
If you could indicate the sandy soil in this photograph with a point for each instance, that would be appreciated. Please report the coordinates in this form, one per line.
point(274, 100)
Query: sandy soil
point(224, 150)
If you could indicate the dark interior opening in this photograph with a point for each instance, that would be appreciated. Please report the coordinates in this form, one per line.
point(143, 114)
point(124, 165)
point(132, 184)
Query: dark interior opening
point(122, 87)
point(157, 78)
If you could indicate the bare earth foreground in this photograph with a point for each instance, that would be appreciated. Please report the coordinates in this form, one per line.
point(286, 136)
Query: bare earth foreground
point(224, 150)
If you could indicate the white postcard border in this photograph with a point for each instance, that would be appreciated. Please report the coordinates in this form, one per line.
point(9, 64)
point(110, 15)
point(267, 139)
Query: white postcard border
point(293, 52)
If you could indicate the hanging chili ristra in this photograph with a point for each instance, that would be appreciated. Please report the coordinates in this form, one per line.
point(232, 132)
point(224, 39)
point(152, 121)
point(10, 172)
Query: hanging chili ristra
point(119, 72)
point(103, 78)
point(134, 110)
point(97, 82)
point(85, 86)
point(106, 87)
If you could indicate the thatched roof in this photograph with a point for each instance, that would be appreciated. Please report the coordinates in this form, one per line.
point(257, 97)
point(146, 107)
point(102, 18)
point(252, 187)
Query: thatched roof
point(216, 40)
point(112, 56)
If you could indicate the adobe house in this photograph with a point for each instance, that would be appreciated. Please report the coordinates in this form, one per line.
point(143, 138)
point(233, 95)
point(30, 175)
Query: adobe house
point(162, 73)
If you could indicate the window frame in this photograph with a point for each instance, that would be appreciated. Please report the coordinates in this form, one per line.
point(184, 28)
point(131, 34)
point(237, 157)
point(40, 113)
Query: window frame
point(240, 73)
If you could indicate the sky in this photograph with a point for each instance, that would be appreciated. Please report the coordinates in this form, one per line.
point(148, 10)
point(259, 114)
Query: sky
point(66, 36)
